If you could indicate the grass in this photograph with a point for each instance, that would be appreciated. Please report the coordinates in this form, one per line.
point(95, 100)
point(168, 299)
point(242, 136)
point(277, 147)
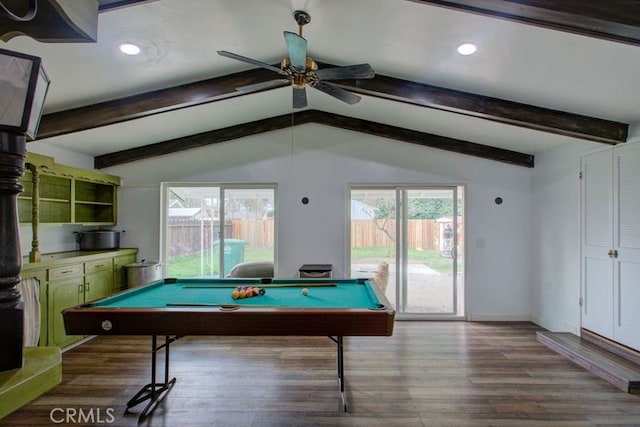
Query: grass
point(428, 257)
point(190, 265)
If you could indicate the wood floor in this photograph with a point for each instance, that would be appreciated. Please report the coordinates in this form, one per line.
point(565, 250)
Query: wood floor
point(426, 374)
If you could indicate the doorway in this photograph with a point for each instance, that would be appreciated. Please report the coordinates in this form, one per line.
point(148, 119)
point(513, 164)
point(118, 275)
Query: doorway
point(410, 240)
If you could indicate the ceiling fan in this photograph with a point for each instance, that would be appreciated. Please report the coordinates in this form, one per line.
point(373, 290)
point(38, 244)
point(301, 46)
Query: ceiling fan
point(302, 71)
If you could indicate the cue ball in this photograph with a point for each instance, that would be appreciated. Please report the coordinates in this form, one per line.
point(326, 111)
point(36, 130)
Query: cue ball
point(305, 292)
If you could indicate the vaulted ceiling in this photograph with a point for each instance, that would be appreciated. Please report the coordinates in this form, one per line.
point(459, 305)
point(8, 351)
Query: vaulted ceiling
point(545, 74)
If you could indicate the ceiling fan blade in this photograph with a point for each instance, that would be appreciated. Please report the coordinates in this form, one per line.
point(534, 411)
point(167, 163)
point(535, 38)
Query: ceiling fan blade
point(299, 97)
point(297, 49)
point(257, 87)
point(337, 92)
point(361, 71)
point(251, 61)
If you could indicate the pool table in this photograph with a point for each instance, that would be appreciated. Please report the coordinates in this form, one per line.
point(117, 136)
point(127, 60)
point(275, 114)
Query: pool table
point(185, 306)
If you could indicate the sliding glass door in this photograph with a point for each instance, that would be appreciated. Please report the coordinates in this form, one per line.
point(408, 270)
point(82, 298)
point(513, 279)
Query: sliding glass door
point(208, 229)
point(409, 240)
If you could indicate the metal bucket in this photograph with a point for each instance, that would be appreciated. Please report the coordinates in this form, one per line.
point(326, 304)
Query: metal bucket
point(142, 273)
point(98, 240)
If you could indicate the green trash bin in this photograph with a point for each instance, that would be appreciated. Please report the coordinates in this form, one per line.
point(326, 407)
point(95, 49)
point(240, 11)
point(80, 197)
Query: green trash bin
point(233, 253)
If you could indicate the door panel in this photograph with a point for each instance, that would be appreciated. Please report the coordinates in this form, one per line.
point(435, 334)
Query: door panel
point(63, 295)
point(429, 261)
point(373, 237)
point(626, 274)
point(627, 325)
point(597, 308)
point(597, 233)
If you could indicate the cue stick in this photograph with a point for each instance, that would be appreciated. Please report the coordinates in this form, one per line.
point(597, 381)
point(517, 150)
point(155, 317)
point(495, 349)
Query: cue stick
point(259, 285)
point(204, 304)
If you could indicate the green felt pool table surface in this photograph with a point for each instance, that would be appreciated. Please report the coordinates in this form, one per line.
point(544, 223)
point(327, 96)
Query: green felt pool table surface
point(279, 293)
point(187, 306)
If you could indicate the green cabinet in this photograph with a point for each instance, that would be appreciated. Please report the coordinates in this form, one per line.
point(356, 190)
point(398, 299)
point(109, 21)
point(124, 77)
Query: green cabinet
point(54, 199)
point(71, 278)
point(66, 195)
point(63, 294)
point(98, 279)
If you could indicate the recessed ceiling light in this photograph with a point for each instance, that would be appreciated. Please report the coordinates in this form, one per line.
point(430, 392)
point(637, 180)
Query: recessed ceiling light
point(129, 49)
point(467, 49)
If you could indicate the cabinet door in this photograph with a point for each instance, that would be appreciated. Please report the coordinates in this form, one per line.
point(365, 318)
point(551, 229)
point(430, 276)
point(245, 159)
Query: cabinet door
point(98, 285)
point(597, 235)
point(626, 263)
point(119, 272)
point(62, 295)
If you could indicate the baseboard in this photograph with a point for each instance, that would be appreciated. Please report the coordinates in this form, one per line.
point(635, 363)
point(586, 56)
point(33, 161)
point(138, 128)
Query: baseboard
point(554, 326)
point(486, 317)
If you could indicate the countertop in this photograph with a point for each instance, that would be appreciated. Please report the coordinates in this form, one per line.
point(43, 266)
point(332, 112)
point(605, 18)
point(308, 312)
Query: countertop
point(59, 258)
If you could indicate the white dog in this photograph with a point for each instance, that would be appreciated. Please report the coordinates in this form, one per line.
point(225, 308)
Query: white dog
point(381, 277)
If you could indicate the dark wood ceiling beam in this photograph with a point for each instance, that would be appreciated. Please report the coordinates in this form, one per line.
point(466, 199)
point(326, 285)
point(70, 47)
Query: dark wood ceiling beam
point(484, 107)
point(200, 139)
point(149, 103)
point(107, 5)
point(613, 20)
point(211, 90)
point(424, 139)
point(313, 116)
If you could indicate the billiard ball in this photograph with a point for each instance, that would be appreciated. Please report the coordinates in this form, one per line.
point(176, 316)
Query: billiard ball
point(305, 292)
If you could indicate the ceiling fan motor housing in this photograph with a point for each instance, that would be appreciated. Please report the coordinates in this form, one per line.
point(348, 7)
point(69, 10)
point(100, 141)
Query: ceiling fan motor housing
point(300, 77)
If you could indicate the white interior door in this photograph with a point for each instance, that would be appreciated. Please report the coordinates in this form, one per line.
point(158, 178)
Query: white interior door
point(597, 233)
point(626, 274)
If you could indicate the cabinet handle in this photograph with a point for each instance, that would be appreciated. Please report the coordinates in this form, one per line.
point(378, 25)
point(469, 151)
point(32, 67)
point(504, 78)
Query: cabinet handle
point(80, 289)
point(615, 253)
point(610, 253)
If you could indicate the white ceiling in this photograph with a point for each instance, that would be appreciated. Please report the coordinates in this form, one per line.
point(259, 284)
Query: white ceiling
point(399, 38)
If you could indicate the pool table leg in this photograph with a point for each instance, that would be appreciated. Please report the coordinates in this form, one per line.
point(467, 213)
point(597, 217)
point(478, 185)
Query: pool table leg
point(154, 391)
point(339, 344)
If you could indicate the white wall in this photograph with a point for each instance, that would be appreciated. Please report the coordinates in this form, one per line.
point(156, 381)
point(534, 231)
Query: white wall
point(556, 237)
point(320, 162)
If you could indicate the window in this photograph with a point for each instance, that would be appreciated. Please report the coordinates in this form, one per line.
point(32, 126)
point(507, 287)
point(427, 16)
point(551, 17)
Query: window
point(208, 228)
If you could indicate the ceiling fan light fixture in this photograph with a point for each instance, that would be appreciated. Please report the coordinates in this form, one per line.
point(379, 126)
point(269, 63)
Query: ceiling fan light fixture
point(467, 49)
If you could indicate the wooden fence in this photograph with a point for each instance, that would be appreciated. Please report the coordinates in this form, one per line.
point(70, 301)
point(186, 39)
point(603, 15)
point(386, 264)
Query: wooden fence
point(189, 235)
point(421, 234)
point(258, 232)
